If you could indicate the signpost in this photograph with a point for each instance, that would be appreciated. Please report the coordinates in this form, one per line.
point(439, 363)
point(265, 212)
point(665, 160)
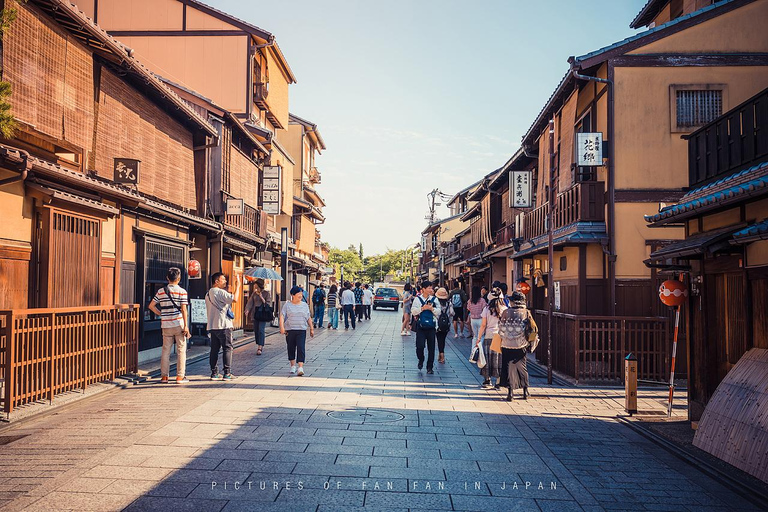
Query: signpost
point(271, 190)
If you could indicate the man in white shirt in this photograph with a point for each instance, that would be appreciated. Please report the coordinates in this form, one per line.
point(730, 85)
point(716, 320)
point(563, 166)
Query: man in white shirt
point(367, 301)
point(426, 327)
point(218, 302)
point(348, 305)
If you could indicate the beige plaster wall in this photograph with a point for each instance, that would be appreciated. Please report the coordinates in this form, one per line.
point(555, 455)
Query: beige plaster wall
point(757, 253)
point(722, 219)
point(16, 211)
point(278, 89)
point(631, 235)
point(757, 211)
point(140, 14)
point(109, 236)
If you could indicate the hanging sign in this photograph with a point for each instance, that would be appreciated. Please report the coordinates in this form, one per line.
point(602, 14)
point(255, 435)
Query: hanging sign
point(673, 293)
point(127, 171)
point(520, 193)
point(557, 295)
point(589, 147)
point(234, 206)
point(271, 189)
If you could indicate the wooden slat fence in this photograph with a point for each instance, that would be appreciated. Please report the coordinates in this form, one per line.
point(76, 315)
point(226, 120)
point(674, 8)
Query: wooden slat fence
point(44, 352)
point(593, 348)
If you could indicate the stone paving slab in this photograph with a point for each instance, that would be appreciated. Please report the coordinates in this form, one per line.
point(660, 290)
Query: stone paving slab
point(273, 441)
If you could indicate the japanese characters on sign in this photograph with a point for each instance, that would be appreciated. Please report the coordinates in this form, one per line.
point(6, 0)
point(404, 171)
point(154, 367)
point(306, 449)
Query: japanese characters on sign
point(271, 190)
point(520, 189)
point(234, 206)
point(590, 149)
point(127, 171)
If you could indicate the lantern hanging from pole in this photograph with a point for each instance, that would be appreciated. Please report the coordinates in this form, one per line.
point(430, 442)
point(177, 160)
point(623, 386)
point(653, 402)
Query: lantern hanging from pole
point(523, 288)
point(193, 269)
point(673, 292)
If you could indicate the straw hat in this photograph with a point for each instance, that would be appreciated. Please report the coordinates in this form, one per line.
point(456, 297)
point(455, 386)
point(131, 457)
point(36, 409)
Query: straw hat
point(441, 293)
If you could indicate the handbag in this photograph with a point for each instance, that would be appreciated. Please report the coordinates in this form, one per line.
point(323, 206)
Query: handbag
point(496, 344)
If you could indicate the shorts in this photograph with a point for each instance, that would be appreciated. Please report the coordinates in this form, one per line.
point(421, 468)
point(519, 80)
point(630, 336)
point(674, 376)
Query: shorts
point(458, 314)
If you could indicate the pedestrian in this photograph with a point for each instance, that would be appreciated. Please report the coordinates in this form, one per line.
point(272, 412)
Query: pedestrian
point(358, 291)
point(475, 308)
point(367, 301)
point(259, 308)
point(443, 322)
point(405, 330)
point(484, 293)
point(416, 295)
point(458, 299)
point(218, 306)
point(348, 305)
point(170, 304)
point(333, 307)
point(304, 295)
point(489, 326)
point(294, 320)
point(518, 331)
point(318, 302)
point(503, 288)
point(427, 308)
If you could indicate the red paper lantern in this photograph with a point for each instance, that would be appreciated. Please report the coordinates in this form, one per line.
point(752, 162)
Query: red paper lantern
point(524, 288)
point(193, 268)
point(673, 292)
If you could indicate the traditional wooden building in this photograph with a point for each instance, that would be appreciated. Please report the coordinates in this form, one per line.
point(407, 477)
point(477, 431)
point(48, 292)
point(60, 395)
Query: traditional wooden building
point(99, 191)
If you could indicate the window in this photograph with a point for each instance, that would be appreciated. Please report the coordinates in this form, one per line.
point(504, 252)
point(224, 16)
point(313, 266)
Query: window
point(695, 105)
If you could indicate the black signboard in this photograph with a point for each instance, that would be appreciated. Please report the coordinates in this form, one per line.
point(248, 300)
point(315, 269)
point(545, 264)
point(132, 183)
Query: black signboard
point(127, 171)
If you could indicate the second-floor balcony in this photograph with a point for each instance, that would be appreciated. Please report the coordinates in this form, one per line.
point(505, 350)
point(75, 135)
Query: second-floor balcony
point(251, 222)
point(583, 202)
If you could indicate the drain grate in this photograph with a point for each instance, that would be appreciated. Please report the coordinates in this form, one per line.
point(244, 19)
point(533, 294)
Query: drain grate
point(10, 439)
point(360, 416)
point(346, 360)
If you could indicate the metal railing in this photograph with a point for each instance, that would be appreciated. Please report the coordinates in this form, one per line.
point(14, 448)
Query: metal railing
point(45, 352)
point(593, 348)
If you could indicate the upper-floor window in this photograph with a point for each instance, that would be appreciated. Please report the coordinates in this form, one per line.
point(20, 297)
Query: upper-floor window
point(696, 105)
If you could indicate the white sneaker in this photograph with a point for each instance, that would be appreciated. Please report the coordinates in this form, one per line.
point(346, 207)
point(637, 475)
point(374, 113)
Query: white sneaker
point(293, 370)
point(301, 371)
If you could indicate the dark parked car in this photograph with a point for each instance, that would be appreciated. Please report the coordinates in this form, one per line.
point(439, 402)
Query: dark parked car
point(386, 298)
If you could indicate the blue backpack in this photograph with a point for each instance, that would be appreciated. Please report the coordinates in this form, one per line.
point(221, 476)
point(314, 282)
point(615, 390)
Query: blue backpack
point(426, 318)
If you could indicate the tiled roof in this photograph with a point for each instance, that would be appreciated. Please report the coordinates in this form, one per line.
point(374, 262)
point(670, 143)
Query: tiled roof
point(759, 231)
point(749, 182)
point(694, 245)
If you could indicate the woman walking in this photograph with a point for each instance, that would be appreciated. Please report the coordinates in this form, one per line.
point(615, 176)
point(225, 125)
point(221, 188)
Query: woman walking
point(443, 322)
point(333, 311)
point(518, 330)
point(488, 327)
point(405, 330)
point(475, 308)
point(258, 308)
point(294, 321)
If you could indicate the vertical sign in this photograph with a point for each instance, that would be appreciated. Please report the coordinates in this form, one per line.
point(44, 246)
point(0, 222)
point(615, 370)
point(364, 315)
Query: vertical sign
point(557, 295)
point(423, 244)
point(520, 183)
point(271, 189)
point(590, 149)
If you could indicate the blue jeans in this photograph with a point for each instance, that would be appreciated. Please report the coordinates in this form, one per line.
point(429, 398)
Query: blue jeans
point(259, 332)
point(333, 317)
point(349, 311)
point(317, 320)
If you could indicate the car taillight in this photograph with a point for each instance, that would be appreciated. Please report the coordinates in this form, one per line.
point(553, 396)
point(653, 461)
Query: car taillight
point(378, 297)
point(393, 298)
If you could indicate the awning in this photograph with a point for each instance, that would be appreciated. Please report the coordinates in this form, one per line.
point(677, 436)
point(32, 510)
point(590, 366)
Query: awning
point(572, 239)
point(696, 245)
point(239, 244)
point(752, 233)
point(74, 199)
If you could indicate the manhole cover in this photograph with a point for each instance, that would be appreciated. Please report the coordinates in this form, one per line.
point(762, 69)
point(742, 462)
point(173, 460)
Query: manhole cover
point(366, 416)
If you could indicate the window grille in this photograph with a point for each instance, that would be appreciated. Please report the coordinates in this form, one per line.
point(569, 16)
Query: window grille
point(698, 107)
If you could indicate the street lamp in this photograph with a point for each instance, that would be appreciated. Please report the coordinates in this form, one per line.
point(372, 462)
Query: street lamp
point(284, 262)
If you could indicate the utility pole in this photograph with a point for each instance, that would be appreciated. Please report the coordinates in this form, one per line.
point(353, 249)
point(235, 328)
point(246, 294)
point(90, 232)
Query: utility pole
point(550, 249)
point(431, 197)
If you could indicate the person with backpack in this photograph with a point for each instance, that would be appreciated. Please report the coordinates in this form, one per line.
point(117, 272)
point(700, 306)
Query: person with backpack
point(488, 328)
point(458, 298)
point(443, 322)
point(427, 310)
point(170, 304)
point(519, 335)
point(218, 307)
point(259, 309)
point(318, 302)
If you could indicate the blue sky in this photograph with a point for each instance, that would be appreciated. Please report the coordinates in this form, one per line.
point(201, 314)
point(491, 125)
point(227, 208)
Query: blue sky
point(413, 95)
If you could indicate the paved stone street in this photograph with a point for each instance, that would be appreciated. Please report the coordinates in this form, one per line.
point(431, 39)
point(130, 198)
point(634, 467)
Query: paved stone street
point(363, 429)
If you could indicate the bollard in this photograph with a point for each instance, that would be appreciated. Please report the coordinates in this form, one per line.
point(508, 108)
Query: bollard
point(630, 384)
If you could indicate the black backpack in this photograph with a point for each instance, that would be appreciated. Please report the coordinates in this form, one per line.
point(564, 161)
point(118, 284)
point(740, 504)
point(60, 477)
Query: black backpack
point(444, 321)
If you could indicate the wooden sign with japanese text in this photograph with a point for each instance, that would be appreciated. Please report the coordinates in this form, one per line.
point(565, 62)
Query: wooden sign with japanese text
point(271, 190)
point(589, 147)
point(127, 171)
point(520, 189)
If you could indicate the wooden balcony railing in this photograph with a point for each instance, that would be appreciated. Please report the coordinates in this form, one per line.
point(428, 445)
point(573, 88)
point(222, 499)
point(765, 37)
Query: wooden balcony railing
point(45, 352)
point(732, 142)
point(473, 250)
point(251, 221)
point(583, 202)
point(593, 348)
point(505, 235)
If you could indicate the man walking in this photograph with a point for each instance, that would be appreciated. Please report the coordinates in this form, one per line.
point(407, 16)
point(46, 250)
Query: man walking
point(348, 305)
point(367, 301)
point(458, 298)
point(218, 306)
point(318, 302)
point(427, 308)
point(358, 291)
point(170, 304)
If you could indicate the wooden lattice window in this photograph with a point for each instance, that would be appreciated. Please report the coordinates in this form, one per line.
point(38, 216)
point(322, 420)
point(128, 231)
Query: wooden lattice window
point(695, 105)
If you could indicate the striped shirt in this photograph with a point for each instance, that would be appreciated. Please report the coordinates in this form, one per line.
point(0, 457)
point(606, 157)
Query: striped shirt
point(170, 315)
point(332, 299)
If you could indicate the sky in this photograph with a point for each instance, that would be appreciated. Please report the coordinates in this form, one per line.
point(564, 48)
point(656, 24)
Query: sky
point(415, 95)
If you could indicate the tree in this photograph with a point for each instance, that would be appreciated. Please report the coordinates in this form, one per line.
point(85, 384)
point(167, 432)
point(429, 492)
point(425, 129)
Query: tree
point(350, 259)
point(8, 124)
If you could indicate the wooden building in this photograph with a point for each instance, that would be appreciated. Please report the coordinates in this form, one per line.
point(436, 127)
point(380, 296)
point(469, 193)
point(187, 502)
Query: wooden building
point(84, 224)
point(724, 254)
